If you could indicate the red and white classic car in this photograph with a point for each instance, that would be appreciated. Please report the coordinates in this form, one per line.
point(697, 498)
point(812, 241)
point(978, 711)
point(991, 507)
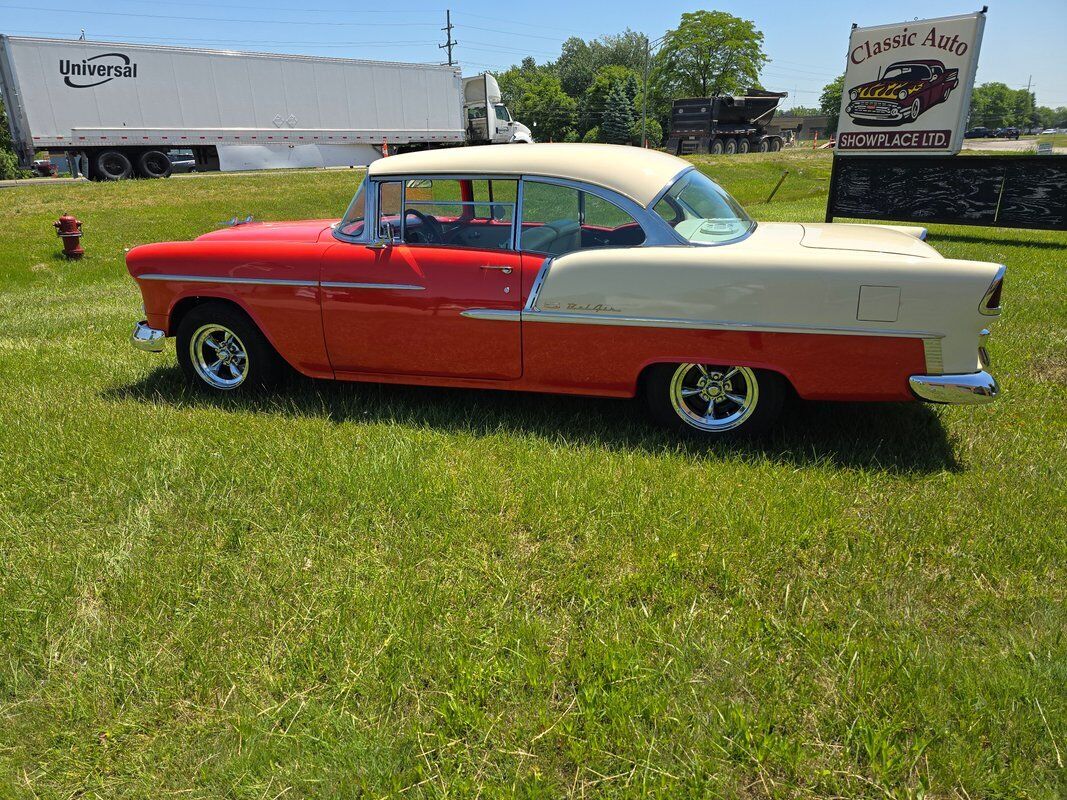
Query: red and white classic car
point(582, 269)
point(904, 91)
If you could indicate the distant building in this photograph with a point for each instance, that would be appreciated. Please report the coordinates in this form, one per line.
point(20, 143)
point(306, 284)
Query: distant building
point(803, 127)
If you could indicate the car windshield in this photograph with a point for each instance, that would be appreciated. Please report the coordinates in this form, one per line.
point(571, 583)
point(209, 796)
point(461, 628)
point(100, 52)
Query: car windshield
point(698, 209)
point(352, 224)
point(907, 72)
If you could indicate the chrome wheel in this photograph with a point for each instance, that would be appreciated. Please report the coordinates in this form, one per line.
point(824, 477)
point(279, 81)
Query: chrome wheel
point(218, 356)
point(713, 398)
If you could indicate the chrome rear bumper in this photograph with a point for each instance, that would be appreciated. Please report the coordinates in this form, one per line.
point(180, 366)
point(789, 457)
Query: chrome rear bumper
point(972, 389)
point(151, 340)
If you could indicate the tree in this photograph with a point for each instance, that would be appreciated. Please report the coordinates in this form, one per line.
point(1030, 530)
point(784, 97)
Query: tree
point(618, 116)
point(653, 132)
point(830, 102)
point(594, 100)
point(537, 99)
point(801, 111)
point(710, 53)
point(9, 163)
point(996, 105)
point(575, 66)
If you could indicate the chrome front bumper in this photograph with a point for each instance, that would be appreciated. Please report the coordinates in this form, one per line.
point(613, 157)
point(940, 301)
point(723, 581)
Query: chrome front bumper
point(151, 340)
point(973, 389)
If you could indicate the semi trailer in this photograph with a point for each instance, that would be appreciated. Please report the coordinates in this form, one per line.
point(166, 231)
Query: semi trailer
point(731, 124)
point(126, 107)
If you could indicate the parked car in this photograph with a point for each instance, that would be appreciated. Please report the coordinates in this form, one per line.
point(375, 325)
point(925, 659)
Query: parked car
point(902, 93)
point(575, 268)
point(977, 133)
point(182, 161)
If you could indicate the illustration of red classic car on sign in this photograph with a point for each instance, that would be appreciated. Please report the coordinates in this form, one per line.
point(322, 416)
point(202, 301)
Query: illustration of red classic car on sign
point(904, 91)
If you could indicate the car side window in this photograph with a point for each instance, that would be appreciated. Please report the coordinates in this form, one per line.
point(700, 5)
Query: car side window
point(561, 219)
point(449, 212)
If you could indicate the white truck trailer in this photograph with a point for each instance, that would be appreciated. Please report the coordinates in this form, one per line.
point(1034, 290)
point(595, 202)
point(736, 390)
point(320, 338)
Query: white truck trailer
point(127, 107)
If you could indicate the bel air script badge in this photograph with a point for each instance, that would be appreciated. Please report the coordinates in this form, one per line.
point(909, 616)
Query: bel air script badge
point(599, 308)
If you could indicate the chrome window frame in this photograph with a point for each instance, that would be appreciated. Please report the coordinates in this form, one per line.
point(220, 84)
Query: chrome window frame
point(373, 199)
point(657, 232)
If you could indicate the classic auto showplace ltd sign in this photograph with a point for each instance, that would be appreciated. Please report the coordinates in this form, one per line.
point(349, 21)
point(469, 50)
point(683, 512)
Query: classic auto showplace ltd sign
point(908, 86)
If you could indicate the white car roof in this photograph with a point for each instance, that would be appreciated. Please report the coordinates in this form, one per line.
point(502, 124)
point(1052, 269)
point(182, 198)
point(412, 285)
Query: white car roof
point(633, 172)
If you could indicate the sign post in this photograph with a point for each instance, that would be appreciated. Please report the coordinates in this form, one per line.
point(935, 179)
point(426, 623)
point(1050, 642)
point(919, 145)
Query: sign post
point(908, 86)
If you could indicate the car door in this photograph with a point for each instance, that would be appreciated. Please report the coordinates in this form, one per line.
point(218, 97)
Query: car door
point(398, 307)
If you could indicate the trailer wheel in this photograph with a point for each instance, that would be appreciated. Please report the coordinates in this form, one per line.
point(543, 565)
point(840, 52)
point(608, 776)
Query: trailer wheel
point(112, 165)
point(731, 146)
point(763, 146)
point(716, 147)
point(153, 164)
point(742, 146)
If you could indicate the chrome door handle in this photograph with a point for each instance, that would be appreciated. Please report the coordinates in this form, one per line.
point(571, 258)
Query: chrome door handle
point(505, 269)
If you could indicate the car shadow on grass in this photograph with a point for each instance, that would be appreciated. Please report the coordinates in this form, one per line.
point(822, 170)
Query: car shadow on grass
point(891, 437)
point(1003, 239)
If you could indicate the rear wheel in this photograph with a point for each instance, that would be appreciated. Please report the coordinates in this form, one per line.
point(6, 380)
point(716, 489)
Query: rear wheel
point(112, 165)
point(731, 146)
point(743, 146)
point(714, 400)
point(221, 349)
point(763, 147)
point(716, 147)
point(775, 145)
point(154, 164)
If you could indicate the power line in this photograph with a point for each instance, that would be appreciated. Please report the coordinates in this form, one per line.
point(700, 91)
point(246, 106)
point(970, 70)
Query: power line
point(330, 23)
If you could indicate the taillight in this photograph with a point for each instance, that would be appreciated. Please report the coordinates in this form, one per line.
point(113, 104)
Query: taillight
point(990, 305)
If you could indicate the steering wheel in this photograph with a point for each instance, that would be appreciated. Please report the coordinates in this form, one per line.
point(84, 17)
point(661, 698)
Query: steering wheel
point(429, 231)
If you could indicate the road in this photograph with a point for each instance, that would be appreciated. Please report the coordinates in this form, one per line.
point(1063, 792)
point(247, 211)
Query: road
point(1007, 146)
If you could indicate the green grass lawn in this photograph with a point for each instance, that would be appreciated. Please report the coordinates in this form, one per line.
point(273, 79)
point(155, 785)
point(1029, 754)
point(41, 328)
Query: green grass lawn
point(357, 590)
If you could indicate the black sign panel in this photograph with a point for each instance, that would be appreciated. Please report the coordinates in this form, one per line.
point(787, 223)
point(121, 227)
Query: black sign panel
point(1010, 191)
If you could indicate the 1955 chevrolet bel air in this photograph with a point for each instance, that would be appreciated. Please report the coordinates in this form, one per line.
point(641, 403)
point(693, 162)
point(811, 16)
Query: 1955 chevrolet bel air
point(583, 269)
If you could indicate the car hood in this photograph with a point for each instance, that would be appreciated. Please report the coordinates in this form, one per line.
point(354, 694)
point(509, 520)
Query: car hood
point(311, 230)
point(899, 240)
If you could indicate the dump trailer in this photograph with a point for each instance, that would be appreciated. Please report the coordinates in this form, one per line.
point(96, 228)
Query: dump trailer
point(725, 124)
point(127, 107)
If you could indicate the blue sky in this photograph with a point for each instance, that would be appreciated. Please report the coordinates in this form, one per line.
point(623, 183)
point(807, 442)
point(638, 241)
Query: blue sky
point(805, 40)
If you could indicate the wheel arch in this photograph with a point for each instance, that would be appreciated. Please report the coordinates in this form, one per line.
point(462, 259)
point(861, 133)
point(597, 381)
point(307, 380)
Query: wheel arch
point(642, 376)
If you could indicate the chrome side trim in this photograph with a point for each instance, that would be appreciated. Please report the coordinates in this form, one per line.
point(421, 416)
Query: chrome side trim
point(983, 352)
point(973, 389)
point(714, 325)
point(148, 339)
point(998, 278)
point(499, 314)
point(539, 280)
point(935, 364)
point(399, 287)
point(212, 279)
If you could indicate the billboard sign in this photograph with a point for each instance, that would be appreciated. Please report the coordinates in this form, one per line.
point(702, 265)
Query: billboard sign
point(908, 86)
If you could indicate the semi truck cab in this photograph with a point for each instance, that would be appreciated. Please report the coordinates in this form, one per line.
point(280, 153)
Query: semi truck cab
point(488, 119)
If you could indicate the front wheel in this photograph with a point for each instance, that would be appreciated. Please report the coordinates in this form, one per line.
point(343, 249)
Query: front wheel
point(221, 349)
point(713, 401)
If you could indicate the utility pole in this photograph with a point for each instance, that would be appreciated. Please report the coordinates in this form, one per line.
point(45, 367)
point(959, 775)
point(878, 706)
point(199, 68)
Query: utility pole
point(449, 43)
